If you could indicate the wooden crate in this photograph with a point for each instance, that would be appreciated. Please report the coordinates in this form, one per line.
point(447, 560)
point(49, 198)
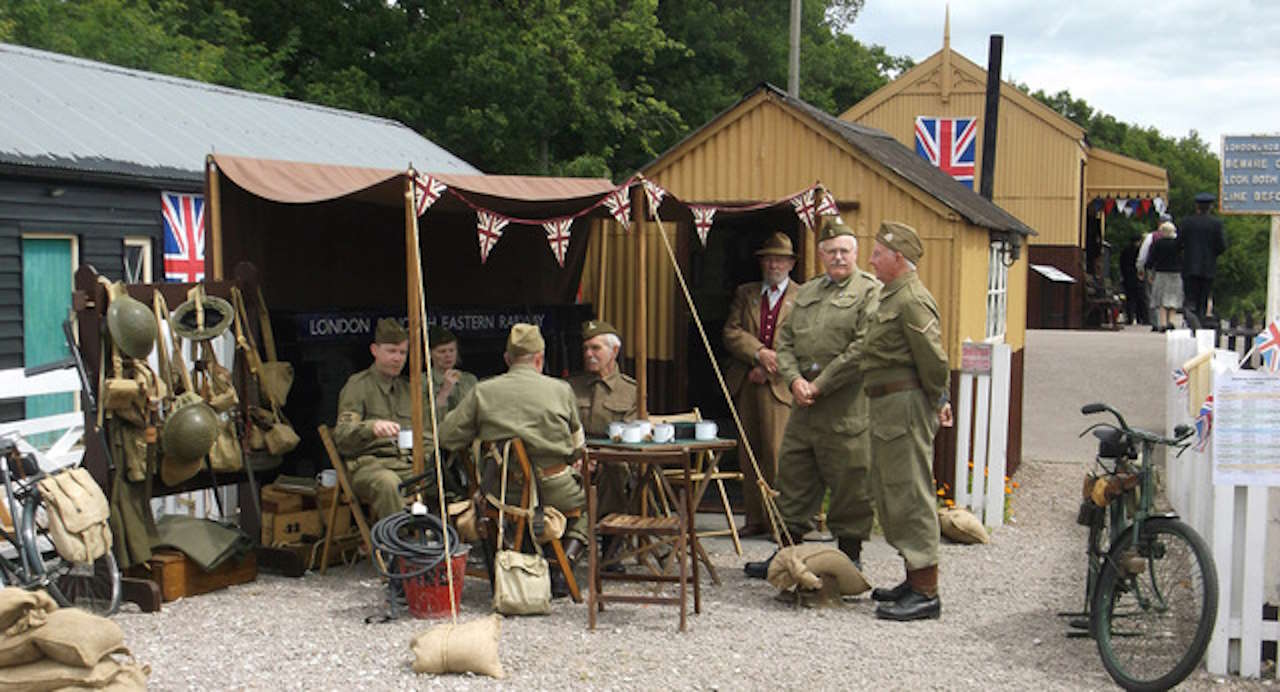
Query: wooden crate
point(177, 576)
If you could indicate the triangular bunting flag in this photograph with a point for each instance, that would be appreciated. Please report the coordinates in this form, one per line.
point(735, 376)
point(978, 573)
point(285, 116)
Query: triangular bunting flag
point(619, 204)
point(827, 207)
point(702, 220)
point(1143, 207)
point(1128, 206)
point(426, 190)
point(1159, 204)
point(1267, 344)
point(1108, 205)
point(488, 229)
point(654, 193)
point(558, 237)
point(803, 204)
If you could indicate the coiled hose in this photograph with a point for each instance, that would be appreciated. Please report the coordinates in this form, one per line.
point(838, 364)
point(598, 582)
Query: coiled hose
point(409, 545)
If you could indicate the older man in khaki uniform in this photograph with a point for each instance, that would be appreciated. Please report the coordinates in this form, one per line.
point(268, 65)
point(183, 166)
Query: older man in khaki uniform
point(825, 444)
point(906, 376)
point(543, 412)
point(372, 408)
point(605, 395)
point(763, 400)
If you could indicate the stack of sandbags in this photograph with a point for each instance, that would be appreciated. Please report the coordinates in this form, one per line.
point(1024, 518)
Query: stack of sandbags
point(43, 647)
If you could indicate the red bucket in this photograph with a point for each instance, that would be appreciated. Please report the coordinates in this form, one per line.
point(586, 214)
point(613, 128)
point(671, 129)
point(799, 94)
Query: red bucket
point(428, 593)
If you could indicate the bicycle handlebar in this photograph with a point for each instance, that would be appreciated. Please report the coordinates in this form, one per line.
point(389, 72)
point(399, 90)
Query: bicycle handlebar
point(1180, 431)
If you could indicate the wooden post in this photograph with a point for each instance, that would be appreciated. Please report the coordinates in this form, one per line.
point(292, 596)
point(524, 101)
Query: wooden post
point(415, 319)
point(214, 201)
point(1273, 273)
point(603, 229)
point(641, 335)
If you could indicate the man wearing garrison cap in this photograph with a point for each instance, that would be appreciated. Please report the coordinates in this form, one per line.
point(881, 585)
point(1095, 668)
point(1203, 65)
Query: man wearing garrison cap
point(906, 376)
point(542, 411)
point(605, 395)
point(825, 443)
point(763, 399)
point(372, 408)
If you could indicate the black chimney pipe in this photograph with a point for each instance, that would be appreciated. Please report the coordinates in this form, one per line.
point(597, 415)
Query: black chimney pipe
point(991, 117)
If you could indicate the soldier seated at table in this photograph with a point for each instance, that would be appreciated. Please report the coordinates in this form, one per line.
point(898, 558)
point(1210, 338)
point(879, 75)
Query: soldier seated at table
point(542, 412)
point(373, 407)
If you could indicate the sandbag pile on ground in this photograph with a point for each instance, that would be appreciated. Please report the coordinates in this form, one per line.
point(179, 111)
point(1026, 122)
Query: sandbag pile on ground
point(43, 647)
point(470, 647)
point(816, 567)
point(961, 526)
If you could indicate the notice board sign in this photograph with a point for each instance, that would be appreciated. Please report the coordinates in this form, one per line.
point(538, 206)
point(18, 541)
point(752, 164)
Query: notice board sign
point(1246, 428)
point(975, 359)
point(1250, 174)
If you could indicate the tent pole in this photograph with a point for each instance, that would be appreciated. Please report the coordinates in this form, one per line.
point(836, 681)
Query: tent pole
point(642, 304)
point(603, 232)
point(415, 318)
point(214, 200)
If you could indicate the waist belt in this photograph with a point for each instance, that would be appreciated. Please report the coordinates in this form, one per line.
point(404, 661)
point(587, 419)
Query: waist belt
point(549, 471)
point(878, 390)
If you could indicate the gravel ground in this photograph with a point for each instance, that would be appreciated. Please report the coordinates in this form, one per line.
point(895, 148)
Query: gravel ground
point(999, 628)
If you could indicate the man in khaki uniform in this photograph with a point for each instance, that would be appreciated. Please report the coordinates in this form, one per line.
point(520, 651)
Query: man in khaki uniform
point(825, 444)
point(605, 395)
point(372, 408)
point(906, 376)
point(763, 400)
point(542, 411)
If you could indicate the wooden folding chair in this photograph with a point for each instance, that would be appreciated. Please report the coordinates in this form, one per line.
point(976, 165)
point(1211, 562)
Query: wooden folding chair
point(705, 470)
point(346, 494)
point(524, 512)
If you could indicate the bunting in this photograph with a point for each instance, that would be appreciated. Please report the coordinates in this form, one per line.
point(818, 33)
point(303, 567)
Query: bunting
point(488, 229)
point(1159, 204)
point(426, 190)
point(1180, 379)
point(558, 237)
point(619, 204)
point(827, 207)
point(654, 193)
point(1267, 344)
point(702, 220)
point(803, 204)
point(1204, 424)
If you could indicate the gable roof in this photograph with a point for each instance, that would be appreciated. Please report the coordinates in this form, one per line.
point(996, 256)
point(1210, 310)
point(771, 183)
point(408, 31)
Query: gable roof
point(1007, 91)
point(884, 150)
point(63, 113)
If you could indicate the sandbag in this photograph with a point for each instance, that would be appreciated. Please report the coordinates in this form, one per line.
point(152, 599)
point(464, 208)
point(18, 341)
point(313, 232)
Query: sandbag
point(78, 638)
point(463, 513)
point(470, 647)
point(78, 515)
point(48, 674)
point(21, 610)
point(16, 649)
point(554, 523)
point(809, 566)
point(959, 524)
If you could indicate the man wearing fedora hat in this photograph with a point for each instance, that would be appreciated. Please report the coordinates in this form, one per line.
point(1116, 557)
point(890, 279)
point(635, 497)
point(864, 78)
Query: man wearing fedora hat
point(763, 400)
point(1202, 240)
point(543, 412)
point(825, 444)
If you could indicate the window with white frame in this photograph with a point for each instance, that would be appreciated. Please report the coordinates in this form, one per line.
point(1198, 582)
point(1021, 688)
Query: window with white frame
point(137, 259)
point(997, 293)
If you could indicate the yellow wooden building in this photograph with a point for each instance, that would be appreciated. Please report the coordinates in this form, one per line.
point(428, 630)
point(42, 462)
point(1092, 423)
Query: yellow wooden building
point(1046, 172)
point(767, 147)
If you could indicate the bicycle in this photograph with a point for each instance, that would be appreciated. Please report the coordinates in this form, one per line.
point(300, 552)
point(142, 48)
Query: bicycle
point(29, 559)
point(1151, 590)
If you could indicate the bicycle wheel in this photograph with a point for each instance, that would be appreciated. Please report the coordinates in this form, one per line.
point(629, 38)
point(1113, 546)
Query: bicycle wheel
point(1155, 605)
point(93, 587)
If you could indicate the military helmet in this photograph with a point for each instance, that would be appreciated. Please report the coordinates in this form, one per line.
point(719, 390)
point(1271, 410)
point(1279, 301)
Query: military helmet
point(131, 324)
point(189, 433)
point(186, 319)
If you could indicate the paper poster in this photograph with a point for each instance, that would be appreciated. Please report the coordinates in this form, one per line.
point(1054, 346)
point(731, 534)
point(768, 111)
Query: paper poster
point(1246, 428)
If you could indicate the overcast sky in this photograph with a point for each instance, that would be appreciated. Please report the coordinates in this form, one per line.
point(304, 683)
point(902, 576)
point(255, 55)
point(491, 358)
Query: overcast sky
point(1207, 65)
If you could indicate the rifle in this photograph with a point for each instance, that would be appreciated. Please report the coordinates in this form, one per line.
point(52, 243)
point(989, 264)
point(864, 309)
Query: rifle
point(87, 399)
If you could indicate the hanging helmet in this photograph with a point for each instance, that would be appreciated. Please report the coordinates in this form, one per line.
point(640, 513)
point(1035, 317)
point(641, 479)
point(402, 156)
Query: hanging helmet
point(189, 433)
point(131, 324)
point(218, 315)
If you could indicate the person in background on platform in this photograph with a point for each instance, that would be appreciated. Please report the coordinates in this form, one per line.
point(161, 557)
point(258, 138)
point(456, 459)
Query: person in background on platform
point(1148, 277)
point(1201, 240)
point(1135, 292)
point(1165, 260)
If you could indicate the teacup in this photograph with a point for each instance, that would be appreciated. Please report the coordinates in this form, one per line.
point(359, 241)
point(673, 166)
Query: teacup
point(664, 432)
point(615, 430)
point(704, 430)
point(632, 434)
point(646, 428)
point(327, 478)
point(405, 438)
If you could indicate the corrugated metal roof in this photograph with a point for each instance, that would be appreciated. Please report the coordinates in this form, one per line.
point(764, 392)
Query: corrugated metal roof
point(889, 152)
point(66, 113)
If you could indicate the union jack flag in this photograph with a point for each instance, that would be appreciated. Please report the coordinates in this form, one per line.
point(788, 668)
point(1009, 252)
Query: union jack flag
point(619, 204)
point(558, 237)
point(488, 230)
point(949, 144)
point(827, 207)
point(1180, 379)
point(703, 217)
point(426, 190)
point(1204, 424)
point(803, 204)
point(183, 217)
point(1268, 346)
point(654, 193)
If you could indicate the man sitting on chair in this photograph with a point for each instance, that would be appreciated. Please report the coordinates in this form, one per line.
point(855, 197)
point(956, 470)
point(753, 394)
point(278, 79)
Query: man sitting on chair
point(542, 411)
point(372, 408)
point(605, 395)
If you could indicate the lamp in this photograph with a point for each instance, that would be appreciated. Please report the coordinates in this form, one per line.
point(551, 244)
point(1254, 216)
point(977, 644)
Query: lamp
point(1010, 250)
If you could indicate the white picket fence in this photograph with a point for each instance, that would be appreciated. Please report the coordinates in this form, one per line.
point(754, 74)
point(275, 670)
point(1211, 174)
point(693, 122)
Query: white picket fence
point(66, 450)
point(982, 427)
point(1232, 519)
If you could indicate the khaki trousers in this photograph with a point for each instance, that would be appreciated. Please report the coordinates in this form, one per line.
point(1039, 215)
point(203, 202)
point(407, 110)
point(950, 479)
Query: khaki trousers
point(376, 481)
point(764, 420)
point(814, 459)
point(902, 429)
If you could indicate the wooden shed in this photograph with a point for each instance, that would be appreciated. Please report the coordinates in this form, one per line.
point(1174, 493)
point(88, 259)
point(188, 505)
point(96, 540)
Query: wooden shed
point(1046, 172)
point(764, 149)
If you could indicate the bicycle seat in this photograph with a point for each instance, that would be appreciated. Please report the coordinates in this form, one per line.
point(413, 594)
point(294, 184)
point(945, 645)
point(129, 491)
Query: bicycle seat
point(1113, 443)
point(22, 465)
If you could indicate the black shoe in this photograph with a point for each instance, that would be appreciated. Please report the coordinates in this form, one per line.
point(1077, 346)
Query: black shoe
point(913, 606)
point(890, 595)
point(758, 570)
point(559, 585)
point(853, 548)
